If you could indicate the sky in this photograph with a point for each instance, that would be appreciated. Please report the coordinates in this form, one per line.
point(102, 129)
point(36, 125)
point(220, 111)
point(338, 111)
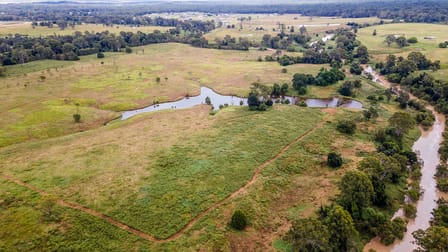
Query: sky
point(230, 1)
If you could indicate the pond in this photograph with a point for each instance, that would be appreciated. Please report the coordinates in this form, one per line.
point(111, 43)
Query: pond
point(220, 100)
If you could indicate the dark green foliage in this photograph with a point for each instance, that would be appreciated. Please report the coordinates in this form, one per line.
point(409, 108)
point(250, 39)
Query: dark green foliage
point(208, 101)
point(100, 55)
point(308, 235)
point(238, 220)
point(410, 211)
point(412, 40)
point(343, 235)
point(77, 118)
point(355, 68)
point(128, 49)
point(435, 238)
point(392, 230)
point(356, 190)
point(440, 214)
point(334, 159)
point(269, 103)
point(346, 127)
point(442, 177)
point(302, 80)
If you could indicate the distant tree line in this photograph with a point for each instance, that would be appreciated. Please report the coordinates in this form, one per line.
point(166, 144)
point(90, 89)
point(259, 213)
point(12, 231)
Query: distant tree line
point(409, 11)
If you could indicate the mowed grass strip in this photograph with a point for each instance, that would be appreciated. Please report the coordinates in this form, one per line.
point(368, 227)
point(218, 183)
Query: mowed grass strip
point(157, 172)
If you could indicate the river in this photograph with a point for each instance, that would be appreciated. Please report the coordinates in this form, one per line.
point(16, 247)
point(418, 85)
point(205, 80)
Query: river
point(427, 146)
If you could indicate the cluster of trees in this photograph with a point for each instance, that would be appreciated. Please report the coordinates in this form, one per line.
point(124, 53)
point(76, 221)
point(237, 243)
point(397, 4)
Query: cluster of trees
point(435, 238)
point(363, 201)
point(286, 41)
point(409, 11)
point(399, 69)
point(231, 43)
point(325, 77)
point(18, 48)
point(346, 44)
point(348, 87)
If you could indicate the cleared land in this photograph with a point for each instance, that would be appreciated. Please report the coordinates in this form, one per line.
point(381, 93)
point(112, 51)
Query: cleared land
point(11, 28)
point(271, 25)
point(156, 172)
point(378, 47)
point(39, 98)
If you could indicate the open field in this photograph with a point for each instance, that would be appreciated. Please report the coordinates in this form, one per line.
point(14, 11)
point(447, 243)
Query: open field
point(270, 25)
point(378, 48)
point(157, 171)
point(40, 107)
point(8, 28)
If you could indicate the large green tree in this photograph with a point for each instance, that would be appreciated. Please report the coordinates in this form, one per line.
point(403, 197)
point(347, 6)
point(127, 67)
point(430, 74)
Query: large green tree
point(343, 235)
point(309, 235)
point(356, 189)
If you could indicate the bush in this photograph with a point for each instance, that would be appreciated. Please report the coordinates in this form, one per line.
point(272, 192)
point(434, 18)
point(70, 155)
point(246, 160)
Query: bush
point(410, 211)
point(100, 55)
point(238, 221)
point(128, 49)
point(208, 101)
point(269, 103)
point(77, 118)
point(346, 127)
point(284, 70)
point(334, 159)
point(412, 40)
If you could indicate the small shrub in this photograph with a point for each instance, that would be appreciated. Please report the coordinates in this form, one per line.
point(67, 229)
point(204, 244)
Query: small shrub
point(269, 103)
point(334, 159)
point(346, 127)
point(77, 118)
point(208, 101)
point(241, 103)
point(100, 55)
point(238, 221)
point(410, 211)
point(284, 70)
point(412, 40)
point(128, 49)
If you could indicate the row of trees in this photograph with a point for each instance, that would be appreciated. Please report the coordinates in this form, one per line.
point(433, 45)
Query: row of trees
point(409, 11)
point(325, 77)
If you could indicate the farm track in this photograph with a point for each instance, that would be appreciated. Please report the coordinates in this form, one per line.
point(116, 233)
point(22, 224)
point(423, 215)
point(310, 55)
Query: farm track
point(193, 221)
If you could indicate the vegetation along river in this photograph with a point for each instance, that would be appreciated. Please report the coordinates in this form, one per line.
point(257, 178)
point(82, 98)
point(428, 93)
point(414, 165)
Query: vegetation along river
point(427, 147)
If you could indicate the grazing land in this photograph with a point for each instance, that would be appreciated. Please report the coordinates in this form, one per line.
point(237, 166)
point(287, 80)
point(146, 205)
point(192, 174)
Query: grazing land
point(36, 107)
point(11, 28)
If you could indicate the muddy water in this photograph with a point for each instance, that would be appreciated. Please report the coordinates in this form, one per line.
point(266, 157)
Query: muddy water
point(427, 146)
point(218, 100)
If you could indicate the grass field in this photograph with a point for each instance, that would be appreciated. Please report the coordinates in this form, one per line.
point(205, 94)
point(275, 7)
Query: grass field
point(36, 108)
point(157, 171)
point(270, 25)
point(11, 28)
point(377, 47)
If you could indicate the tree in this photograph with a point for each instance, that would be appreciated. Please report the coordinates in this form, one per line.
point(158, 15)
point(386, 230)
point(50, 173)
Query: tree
point(284, 89)
point(343, 234)
point(100, 55)
point(302, 80)
point(346, 89)
point(334, 159)
point(402, 122)
point(435, 238)
point(238, 220)
point(309, 235)
point(77, 116)
point(208, 101)
point(389, 40)
point(374, 33)
point(253, 101)
point(346, 126)
point(128, 49)
point(356, 189)
point(355, 68)
point(363, 54)
point(412, 40)
point(401, 41)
